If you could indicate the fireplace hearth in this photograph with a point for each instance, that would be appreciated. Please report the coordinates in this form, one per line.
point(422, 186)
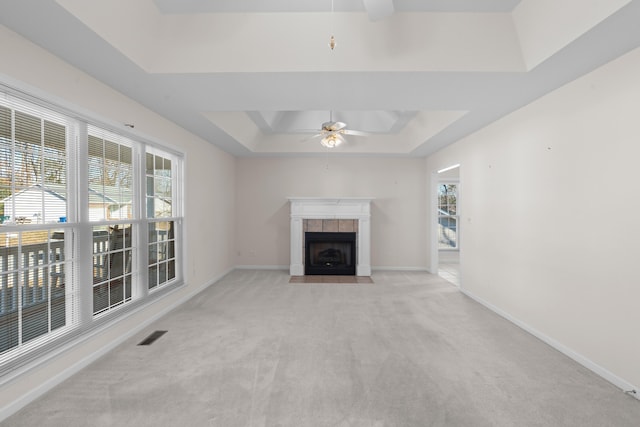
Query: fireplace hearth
point(330, 254)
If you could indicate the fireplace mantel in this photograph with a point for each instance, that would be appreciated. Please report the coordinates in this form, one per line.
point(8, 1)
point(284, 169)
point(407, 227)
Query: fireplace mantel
point(331, 208)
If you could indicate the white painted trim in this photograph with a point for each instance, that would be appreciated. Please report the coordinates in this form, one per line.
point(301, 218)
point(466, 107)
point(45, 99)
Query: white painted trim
point(34, 393)
point(330, 208)
point(434, 261)
point(587, 363)
point(286, 268)
point(386, 268)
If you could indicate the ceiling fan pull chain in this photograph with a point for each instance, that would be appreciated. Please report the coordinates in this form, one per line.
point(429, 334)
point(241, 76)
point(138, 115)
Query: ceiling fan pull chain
point(332, 39)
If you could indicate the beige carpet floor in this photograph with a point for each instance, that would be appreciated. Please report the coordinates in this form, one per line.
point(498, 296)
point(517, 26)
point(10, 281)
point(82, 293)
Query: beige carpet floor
point(408, 350)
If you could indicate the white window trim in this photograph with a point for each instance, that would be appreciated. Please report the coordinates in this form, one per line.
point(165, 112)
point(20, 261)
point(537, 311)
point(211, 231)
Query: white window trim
point(455, 182)
point(81, 322)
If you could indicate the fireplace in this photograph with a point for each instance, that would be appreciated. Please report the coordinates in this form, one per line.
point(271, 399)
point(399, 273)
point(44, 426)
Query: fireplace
point(332, 213)
point(330, 253)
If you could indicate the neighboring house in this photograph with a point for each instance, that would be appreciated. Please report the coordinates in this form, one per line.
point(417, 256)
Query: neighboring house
point(38, 204)
point(109, 203)
point(28, 204)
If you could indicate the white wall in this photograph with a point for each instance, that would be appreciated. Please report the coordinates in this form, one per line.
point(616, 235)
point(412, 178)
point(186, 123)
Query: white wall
point(209, 172)
point(209, 188)
point(399, 186)
point(549, 214)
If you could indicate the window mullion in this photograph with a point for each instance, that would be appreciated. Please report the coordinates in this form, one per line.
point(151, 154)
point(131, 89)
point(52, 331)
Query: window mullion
point(13, 168)
point(84, 236)
point(58, 278)
point(139, 212)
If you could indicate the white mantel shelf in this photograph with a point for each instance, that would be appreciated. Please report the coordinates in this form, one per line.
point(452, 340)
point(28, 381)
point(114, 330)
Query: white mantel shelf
point(331, 208)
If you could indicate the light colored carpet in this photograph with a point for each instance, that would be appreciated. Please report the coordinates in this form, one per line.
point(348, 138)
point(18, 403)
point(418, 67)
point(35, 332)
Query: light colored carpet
point(408, 350)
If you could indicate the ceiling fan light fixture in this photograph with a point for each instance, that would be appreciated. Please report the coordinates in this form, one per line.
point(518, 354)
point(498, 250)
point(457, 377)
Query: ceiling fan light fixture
point(331, 141)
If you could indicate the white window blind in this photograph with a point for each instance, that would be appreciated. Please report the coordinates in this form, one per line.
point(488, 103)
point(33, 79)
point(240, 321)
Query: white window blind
point(35, 250)
point(49, 295)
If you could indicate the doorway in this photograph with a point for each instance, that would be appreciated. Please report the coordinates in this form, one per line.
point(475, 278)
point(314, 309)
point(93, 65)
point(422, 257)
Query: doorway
point(448, 223)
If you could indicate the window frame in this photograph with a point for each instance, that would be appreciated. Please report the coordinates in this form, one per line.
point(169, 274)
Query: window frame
point(36, 263)
point(447, 217)
point(78, 230)
point(172, 241)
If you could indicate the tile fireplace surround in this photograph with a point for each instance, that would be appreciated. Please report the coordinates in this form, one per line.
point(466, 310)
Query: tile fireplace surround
point(357, 208)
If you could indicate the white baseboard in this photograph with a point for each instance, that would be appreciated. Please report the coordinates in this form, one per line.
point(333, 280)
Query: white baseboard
point(21, 401)
point(599, 370)
point(286, 267)
point(383, 268)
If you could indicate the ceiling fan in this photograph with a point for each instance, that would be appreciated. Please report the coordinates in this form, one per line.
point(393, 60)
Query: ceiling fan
point(332, 133)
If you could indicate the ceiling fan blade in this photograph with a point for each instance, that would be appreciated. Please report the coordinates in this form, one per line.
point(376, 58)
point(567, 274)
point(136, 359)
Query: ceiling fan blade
point(312, 137)
point(355, 132)
point(303, 130)
point(339, 125)
point(333, 126)
point(378, 9)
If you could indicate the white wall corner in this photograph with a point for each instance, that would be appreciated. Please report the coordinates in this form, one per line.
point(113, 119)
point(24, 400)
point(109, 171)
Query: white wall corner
point(624, 385)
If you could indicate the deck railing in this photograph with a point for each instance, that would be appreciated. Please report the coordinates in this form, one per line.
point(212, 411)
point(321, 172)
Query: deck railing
point(42, 265)
point(38, 272)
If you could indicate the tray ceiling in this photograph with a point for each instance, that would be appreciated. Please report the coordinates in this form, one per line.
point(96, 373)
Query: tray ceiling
point(258, 78)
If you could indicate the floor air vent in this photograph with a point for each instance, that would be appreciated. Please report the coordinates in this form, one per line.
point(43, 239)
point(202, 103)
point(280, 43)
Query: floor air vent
point(151, 338)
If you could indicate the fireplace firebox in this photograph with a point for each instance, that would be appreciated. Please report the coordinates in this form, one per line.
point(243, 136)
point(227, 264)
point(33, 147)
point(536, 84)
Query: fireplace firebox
point(330, 254)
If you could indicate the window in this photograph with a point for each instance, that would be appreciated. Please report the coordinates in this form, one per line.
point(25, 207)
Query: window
point(110, 200)
point(88, 226)
point(34, 294)
point(447, 216)
point(162, 254)
point(110, 178)
point(112, 269)
point(160, 201)
point(159, 186)
point(32, 286)
point(33, 173)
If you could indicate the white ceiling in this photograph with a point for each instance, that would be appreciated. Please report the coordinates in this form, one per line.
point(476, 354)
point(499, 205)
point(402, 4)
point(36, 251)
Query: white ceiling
point(208, 6)
point(257, 77)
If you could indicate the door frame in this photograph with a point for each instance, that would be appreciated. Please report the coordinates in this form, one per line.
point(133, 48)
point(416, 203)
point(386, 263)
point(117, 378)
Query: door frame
point(433, 206)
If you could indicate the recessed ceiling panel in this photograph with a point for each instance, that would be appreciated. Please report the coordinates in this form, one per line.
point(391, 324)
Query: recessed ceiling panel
point(241, 6)
point(288, 122)
point(261, 83)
